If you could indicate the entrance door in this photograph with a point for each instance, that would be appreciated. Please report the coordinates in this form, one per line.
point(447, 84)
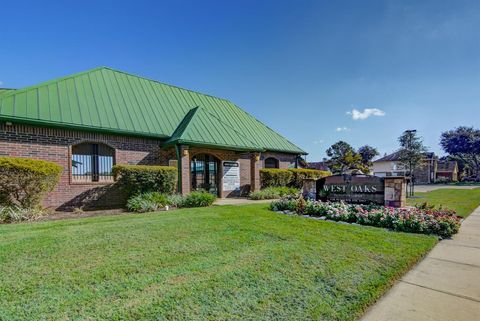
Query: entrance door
point(204, 173)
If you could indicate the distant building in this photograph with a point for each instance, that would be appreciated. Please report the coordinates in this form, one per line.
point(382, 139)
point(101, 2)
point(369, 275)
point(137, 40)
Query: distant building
point(447, 170)
point(389, 165)
point(431, 171)
point(322, 166)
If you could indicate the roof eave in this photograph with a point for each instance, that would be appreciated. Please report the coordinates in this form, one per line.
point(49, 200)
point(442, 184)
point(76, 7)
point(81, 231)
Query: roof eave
point(214, 146)
point(60, 125)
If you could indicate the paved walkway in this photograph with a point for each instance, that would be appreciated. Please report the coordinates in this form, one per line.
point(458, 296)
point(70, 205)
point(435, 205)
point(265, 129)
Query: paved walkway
point(238, 201)
point(432, 187)
point(445, 286)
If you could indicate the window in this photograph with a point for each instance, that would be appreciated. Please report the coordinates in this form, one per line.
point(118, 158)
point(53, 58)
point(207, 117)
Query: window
point(271, 162)
point(204, 173)
point(92, 163)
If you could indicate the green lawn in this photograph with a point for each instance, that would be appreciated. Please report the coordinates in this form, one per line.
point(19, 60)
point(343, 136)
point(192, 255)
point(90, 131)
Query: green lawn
point(225, 262)
point(464, 201)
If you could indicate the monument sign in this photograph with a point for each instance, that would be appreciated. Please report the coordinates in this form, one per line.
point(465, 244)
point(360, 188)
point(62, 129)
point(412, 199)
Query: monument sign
point(361, 189)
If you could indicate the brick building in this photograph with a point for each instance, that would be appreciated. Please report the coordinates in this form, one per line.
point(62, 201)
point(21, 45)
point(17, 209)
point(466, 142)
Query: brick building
point(90, 121)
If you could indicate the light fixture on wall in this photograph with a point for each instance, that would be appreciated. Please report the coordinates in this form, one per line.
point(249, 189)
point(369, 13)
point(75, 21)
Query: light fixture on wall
point(185, 152)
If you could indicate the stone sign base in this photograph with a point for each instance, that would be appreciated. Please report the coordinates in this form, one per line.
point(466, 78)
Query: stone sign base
point(393, 189)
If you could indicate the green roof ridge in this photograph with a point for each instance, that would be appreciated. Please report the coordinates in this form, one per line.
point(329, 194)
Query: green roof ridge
point(163, 83)
point(49, 82)
point(185, 127)
point(182, 127)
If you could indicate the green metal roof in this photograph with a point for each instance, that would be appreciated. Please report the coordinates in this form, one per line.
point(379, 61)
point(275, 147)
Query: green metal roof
point(200, 127)
point(5, 90)
point(108, 100)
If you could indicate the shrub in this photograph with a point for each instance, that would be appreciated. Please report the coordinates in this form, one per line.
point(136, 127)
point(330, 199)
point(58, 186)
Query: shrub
point(176, 200)
point(299, 174)
point(198, 199)
point(147, 202)
point(137, 179)
point(12, 214)
point(25, 182)
point(284, 204)
point(292, 177)
point(273, 193)
point(441, 222)
point(273, 177)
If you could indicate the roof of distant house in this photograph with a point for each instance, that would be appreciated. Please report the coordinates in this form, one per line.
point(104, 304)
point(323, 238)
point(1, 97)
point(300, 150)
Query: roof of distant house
point(111, 101)
point(322, 166)
point(395, 156)
point(446, 166)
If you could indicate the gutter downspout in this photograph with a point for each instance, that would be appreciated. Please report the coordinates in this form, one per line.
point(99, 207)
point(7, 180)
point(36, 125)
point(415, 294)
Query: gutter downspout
point(179, 169)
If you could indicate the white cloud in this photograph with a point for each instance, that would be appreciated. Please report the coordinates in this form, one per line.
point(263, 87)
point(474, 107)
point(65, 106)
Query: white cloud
point(318, 141)
point(1, 82)
point(367, 112)
point(342, 129)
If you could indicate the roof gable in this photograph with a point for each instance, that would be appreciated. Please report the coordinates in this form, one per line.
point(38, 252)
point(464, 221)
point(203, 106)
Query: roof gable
point(200, 127)
point(107, 100)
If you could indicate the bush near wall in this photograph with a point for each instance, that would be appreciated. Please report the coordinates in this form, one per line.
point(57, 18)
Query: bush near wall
point(292, 177)
point(273, 177)
point(138, 179)
point(147, 202)
point(25, 182)
point(299, 174)
point(270, 193)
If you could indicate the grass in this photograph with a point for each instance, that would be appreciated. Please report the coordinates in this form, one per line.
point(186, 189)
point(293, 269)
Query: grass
point(463, 201)
point(464, 183)
point(224, 262)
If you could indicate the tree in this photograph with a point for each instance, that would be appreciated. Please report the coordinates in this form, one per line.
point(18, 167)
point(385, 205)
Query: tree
point(367, 153)
point(464, 143)
point(411, 153)
point(343, 157)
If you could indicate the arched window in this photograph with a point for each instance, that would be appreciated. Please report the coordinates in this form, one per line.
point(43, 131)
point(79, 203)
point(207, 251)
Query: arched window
point(92, 162)
point(271, 162)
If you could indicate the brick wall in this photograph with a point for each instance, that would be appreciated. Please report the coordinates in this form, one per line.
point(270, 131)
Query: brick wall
point(221, 155)
point(284, 160)
point(55, 145)
point(249, 167)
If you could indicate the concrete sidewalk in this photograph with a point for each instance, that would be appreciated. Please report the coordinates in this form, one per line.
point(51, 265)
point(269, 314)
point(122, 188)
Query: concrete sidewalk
point(445, 286)
point(239, 201)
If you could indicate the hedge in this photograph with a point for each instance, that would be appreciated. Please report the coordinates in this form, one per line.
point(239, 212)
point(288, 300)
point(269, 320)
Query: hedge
point(25, 182)
point(292, 177)
point(270, 193)
point(138, 179)
point(299, 174)
point(273, 177)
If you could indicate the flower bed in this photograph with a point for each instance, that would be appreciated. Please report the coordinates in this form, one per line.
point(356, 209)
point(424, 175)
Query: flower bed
point(441, 222)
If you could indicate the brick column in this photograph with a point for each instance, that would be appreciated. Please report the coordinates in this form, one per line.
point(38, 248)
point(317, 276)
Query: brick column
point(255, 166)
point(185, 161)
point(395, 192)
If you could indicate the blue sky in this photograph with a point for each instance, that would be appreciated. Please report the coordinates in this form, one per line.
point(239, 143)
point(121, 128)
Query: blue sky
point(299, 66)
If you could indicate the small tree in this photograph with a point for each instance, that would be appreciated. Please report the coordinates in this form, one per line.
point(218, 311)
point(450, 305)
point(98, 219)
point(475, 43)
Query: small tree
point(343, 157)
point(464, 143)
point(367, 153)
point(411, 153)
